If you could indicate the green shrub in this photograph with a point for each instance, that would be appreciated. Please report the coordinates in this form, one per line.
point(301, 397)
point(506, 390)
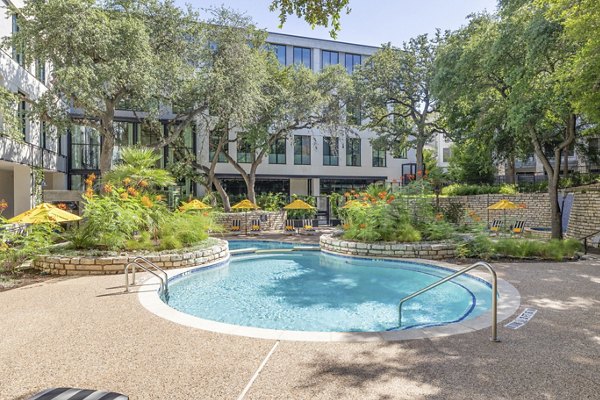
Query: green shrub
point(438, 230)
point(479, 246)
point(525, 248)
point(169, 243)
point(459, 189)
point(16, 247)
point(454, 212)
point(271, 201)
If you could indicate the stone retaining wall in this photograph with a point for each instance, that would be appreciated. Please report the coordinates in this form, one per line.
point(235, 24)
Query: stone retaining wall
point(427, 250)
point(60, 265)
point(585, 215)
point(270, 220)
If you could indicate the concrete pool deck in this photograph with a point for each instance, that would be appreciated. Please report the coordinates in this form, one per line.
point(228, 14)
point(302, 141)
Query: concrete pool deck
point(85, 332)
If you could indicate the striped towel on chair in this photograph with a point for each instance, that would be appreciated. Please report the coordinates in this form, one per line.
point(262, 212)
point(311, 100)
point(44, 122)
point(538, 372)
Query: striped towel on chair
point(77, 394)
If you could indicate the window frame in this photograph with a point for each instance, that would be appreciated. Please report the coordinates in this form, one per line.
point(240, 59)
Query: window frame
point(376, 155)
point(301, 61)
point(350, 66)
point(330, 53)
point(276, 157)
point(331, 159)
point(300, 142)
point(350, 152)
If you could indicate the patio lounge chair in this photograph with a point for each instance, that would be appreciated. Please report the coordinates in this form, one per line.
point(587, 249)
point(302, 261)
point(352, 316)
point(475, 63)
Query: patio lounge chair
point(236, 225)
point(72, 393)
point(496, 226)
point(255, 225)
point(289, 227)
point(307, 226)
point(518, 228)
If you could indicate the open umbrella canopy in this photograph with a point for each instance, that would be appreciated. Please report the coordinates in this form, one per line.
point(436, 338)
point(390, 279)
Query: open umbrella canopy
point(194, 205)
point(355, 203)
point(503, 205)
point(44, 213)
point(299, 205)
point(245, 205)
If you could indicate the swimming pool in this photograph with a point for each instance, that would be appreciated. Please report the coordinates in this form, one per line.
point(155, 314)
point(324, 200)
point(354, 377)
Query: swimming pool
point(264, 244)
point(317, 292)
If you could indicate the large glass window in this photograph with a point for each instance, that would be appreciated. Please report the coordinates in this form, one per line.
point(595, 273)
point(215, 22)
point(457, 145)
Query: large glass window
point(353, 152)
point(329, 58)
point(40, 71)
point(44, 135)
point(214, 143)
point(302, 150)
point(351, 61)
point(330, 151)
point(446, 154)
point(22, 115)
point(379, 159)
point(280, 52)
point(302, 55)
point(124, 132)
point(277, 154)
point(85, 148)
point(354, 113)
point(17, 50)
point(245, 152)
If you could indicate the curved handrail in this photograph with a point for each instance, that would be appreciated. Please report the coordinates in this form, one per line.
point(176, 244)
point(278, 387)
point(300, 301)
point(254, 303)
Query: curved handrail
point(150, 263)
point(134, 263)
point(494, 337)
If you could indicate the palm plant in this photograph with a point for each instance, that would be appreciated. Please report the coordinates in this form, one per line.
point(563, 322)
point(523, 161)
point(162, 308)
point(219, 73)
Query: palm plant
point(138, 168)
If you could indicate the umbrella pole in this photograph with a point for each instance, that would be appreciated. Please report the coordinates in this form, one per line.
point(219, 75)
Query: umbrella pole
point(246, 221)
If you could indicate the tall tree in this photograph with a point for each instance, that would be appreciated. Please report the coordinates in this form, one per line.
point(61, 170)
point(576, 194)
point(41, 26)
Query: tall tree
point(110, 58)
point(316, 12)
point(394, 94)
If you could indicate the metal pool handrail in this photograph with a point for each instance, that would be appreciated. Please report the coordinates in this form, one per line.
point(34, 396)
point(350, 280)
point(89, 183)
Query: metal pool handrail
point(494, 337)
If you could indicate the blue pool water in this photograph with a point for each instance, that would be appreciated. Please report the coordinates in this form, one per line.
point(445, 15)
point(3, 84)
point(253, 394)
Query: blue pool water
point(262, 244)
point(314, 291)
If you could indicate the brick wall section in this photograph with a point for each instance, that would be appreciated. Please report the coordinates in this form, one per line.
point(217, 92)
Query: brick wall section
point(536, 212)
point(274, 219)
point(426, 250)
point(58, 265)
point(585, 215)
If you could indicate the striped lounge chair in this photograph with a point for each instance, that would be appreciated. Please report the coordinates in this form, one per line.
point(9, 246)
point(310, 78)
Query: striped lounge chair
point(77, 394)
point(255, 225)
point(495, 226)
point(518, 228)
point(236, 225)
point(307, 226)
point(289, 227)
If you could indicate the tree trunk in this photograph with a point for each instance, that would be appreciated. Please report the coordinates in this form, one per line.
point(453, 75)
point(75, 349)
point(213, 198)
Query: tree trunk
point(420, 171)
point(510, 170)
point(250, 182)
point(223, 194)
point(106, 152)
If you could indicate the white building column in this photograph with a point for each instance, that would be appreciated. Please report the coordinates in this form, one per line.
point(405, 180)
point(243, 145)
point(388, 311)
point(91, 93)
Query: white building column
point(21, 189)
point(316, 186)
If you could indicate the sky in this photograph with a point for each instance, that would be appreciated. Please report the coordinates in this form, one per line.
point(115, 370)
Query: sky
point(370, 22)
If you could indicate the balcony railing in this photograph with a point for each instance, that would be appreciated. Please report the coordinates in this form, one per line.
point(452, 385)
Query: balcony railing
point(31, 155)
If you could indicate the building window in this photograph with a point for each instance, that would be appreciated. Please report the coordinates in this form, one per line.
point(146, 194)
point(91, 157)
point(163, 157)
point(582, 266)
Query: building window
point(330, 151)
point(302, 56)
point(301, 150)
point(280, 51)
point(351, 61)
point(22, 115)
point(354, 113)
point(214, 143)
point(44, 135)
point(379, 159)
point(85, 148)
point(353, 152)
point(245, 152)
point(17, 50)
point(277, 154)
point(40, 71)
point(446, 154)
point(329, 58)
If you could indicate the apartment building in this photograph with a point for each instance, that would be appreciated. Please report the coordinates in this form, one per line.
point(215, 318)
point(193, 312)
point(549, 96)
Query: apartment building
point(37, 161)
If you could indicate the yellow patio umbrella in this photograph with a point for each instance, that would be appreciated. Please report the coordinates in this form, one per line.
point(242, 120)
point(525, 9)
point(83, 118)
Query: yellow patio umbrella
point(44, 213)
point(299, 205)
point(194, 205)
point(503, 204)
point(245, 205)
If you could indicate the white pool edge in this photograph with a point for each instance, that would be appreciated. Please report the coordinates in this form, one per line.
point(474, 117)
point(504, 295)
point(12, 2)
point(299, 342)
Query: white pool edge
point(508, 303)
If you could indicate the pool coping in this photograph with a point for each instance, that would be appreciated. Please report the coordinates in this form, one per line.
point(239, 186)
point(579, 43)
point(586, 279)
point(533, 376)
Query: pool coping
point(508, 303)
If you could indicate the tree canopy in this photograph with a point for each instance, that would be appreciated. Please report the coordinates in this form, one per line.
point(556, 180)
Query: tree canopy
point(316, 12)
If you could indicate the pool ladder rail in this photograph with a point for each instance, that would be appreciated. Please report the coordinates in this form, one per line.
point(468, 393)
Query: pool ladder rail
point(150, 267)
point(494, 337)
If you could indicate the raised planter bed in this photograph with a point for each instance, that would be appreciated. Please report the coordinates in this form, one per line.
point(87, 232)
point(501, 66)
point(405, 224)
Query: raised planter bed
point(426, 250)
point(106, 265)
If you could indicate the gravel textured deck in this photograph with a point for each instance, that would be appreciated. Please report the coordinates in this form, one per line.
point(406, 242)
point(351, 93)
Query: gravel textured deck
point(85, 332)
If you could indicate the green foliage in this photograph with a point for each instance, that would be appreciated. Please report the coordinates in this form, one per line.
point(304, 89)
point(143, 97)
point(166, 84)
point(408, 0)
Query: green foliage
point(315, 12)
point(9, 120)
point(438, 230)
point(300, 214)
point(16, 247)
point(335, 200)
point(271, 201)
point(454, 212)
point(522, 248)
point(472, 162)
point(458, 189)
point(479, 246)
point(138, 164)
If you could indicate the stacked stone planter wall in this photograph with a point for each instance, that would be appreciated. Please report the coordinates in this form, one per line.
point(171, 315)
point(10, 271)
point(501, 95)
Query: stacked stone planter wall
point(585, 215)
point(270, 220)
point(427, 250)
point(60, 265)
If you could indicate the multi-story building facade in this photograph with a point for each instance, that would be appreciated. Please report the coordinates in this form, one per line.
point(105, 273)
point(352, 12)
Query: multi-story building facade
point(37, 160)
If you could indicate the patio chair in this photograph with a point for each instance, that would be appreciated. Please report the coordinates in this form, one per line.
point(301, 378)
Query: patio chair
point(307, 226)
point(518, 228)
point(495, 226)
point(236, 225)
point(64, 393)
point(289, 227)
point(255, 225)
